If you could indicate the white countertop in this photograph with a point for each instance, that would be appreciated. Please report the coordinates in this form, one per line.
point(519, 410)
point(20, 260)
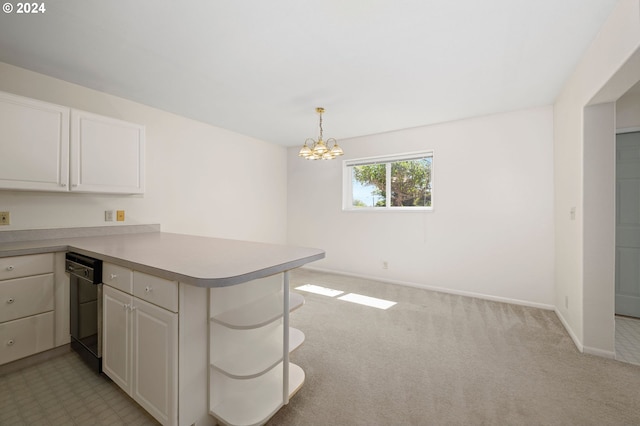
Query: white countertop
point(199, 261)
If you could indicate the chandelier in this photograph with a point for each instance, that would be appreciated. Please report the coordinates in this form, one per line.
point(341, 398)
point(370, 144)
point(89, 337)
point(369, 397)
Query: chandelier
point(320, 150)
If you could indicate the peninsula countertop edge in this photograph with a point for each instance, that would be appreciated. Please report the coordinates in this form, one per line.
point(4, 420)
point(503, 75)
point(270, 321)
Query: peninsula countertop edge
point(194, 260)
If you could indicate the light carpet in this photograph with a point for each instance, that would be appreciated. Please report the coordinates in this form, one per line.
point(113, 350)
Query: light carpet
point(442, 359)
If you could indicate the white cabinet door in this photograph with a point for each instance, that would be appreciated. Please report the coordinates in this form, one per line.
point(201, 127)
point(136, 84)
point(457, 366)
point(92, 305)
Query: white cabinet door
point(34, 137)
point(140, 352)
point(117, 337)
point(107, 155)
point(155, 361)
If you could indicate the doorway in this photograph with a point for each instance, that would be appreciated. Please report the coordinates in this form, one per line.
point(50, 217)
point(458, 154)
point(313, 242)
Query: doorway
point(627, 269)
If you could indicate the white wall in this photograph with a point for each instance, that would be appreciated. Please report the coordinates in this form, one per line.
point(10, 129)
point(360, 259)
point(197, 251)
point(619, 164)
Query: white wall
point(613, 47)
point(200, 179)
point(491, 230)
point(599, 229)
point(628, 111)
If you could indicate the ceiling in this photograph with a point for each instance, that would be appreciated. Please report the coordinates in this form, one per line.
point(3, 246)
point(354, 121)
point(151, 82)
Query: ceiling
point(261, 67)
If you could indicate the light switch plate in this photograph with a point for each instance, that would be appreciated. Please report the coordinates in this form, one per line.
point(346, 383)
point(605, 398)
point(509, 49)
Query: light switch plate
point(120, 215)
point(5, 218)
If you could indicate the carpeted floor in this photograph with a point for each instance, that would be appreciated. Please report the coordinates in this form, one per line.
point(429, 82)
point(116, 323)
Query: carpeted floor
point(441, 359)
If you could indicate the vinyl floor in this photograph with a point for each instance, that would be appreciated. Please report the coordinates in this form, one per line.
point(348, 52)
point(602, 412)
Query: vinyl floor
point(628, 340)
point(63, 391)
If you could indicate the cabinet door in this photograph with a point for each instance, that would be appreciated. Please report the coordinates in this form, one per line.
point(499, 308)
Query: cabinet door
point(34, 137)
point(155, 359)
point(116, 337)
point(107, 155)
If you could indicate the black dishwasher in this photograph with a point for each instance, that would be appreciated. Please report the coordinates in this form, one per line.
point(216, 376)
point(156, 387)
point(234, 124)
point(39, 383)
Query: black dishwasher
point(85, 279)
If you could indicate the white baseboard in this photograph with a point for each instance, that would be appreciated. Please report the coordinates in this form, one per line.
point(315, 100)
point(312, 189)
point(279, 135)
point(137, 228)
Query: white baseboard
point(440, 289)
point(599, 352)
point(566, 326)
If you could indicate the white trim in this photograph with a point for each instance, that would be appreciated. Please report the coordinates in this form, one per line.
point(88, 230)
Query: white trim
point(573, 336)
point(388, 158)
point(599, 352)
point(439, 289)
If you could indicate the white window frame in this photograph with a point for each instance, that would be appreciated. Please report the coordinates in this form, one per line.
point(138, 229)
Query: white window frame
point(347, 181)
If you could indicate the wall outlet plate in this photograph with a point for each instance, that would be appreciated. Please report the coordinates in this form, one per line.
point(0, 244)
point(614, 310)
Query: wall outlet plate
point(5, 218)
point(108, 215)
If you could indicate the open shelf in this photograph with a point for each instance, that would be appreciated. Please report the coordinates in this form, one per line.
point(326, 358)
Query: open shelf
point(250, 376)
point(254, 356)
point(258, 313)
point(253, 402)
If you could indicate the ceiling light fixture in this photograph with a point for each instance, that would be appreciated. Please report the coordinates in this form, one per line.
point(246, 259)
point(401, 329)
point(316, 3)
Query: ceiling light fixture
point(319, 150)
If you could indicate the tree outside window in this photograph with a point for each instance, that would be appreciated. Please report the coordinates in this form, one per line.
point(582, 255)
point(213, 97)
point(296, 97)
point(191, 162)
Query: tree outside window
point(395, 183)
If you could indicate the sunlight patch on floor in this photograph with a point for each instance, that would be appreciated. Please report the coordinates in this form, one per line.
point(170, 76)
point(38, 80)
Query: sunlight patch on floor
point(311, 288)
point(367, 301)
point(351, 297)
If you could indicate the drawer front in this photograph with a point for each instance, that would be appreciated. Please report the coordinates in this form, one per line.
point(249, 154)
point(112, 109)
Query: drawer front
point(26, 336)
point(158, 291)
point(23, 266)
point(27, 296)
point(117, 277)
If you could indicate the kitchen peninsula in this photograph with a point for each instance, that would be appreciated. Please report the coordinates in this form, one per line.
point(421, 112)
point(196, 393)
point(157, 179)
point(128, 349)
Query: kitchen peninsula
point(218, 311)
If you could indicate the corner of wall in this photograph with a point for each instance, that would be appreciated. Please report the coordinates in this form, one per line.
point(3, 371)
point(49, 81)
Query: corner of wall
point(572, 334)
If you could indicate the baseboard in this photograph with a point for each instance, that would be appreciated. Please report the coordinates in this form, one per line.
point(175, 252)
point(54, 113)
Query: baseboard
point(566, 326)
point(582, 348)
point(439, 289)
point(38, 358)
point(599, 352)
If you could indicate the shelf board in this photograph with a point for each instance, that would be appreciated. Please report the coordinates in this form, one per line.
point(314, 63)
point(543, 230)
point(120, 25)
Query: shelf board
point(259, 312)
point(257, 404)
point(251, 358)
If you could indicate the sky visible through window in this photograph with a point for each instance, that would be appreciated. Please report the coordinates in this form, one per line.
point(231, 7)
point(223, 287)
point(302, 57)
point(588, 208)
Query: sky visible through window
point(365, 194)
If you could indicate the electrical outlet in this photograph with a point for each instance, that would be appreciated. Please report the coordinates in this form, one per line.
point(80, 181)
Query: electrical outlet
point(108, 215)
point(5, 218)
point(120, 215)
point(385, 264)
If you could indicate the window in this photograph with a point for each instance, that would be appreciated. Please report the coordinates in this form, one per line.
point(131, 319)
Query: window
point(392, 182)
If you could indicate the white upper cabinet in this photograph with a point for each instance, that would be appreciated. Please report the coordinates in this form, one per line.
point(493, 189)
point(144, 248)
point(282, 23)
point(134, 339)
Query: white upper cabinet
point(48, 147)
point(107, 155)
point(34, 144)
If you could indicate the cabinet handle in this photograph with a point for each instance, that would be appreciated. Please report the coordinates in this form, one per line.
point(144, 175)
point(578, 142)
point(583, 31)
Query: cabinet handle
point(10, 342)
point(113, 276)
point(11, 300)
point(128, 307)
point(63, 185)
point(148, 289)
point(10, 268)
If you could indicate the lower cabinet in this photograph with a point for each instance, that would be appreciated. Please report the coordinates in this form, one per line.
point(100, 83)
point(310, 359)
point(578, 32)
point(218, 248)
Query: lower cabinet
point(140, 352)
point(27, 314)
